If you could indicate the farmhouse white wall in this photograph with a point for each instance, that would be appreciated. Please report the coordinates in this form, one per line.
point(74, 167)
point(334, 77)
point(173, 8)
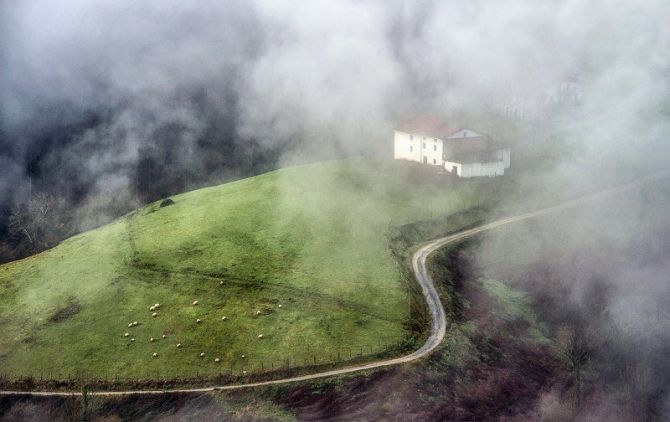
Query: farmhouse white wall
point(422, 149)
point(504, 155)
point(435, 151)
point(491, 169)
point(404, 148)
point(453, 167)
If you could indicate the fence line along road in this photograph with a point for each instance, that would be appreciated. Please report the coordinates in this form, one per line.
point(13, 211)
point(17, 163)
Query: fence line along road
point(438, 318)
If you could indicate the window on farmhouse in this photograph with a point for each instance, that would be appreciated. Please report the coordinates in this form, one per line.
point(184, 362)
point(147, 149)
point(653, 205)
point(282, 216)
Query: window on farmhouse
point(424, 145)
point(411, 137)
point(434, 162)
point(434, 147)
point(410, 148)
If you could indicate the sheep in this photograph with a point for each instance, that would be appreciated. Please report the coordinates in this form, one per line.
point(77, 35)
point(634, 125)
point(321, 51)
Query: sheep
point(126, 335)
point(221, 283)
point(195, 302)
point(135, 323)
point(155, 314)
point(164, 335)
point(152, 339)
point(198, 320)
point(260, 336)
point(155, 354)
point(244, 372)
point(130, 325)
point(178, 345)
point(217, 360)
point(202, 355)
point(258, 312)
point(279, 306)
point(158, 305)
point(224, 318)
point(243, 356)
point(151, 308)
point(132, 339)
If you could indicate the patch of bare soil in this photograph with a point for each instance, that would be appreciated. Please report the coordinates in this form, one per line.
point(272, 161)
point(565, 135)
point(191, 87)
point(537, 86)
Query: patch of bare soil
point(69, 309)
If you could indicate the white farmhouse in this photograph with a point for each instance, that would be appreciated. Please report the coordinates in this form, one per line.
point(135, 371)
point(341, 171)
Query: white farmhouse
point(462, 152)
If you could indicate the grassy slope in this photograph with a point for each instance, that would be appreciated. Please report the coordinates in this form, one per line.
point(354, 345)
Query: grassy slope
point(312, 238)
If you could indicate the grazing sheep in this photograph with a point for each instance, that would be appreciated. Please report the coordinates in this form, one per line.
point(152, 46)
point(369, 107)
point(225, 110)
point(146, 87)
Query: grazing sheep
point(202, 355)
point(155, 355)
point(243, 356)
point(244, 372)
point(155, 314)
point(195, 302)
point(217, 360)
point(126, 335)
point(178, 345)
point(224, 318)
point(198, 320)
point(132, 339)
point(130, 325)
point(152, 339)
point(158, 305)
point(260, 336)
point(135, 323)
point(221, 283)
point(151, 308)
point(279, 306)
point(164, 335)
point(258, 312)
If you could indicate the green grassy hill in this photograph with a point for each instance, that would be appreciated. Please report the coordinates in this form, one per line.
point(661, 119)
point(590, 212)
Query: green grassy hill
point(298, 255)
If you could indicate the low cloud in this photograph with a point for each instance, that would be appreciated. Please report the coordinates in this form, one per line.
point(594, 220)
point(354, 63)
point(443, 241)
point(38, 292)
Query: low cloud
point(315, 79)
point(114, 103)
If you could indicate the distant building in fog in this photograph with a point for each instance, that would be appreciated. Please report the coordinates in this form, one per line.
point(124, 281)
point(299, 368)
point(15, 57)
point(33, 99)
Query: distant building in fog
point(564, 94)
point(460, 151)
point(564, 97)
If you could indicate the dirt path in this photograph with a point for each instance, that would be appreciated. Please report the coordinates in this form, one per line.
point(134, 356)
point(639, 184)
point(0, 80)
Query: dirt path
point(438, 319)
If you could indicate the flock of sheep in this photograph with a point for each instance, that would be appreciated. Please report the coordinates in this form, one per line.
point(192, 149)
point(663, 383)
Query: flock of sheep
point(154, 308)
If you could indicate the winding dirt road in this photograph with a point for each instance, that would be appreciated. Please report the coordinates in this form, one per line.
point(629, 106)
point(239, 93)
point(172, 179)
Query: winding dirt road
point(438, 319)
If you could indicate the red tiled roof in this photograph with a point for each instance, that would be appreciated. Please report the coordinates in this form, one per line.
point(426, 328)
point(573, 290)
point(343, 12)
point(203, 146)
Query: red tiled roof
point(434, 127)
point(428, 126)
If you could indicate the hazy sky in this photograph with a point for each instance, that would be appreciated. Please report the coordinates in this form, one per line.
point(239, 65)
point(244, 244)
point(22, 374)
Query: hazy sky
point(315, 78)
point(93, 87)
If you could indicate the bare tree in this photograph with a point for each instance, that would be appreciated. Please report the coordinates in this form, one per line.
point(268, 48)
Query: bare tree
point(40, 224)
point(576, 351)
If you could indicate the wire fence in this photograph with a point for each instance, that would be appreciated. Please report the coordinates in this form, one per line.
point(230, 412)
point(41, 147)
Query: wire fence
point(221, 373)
